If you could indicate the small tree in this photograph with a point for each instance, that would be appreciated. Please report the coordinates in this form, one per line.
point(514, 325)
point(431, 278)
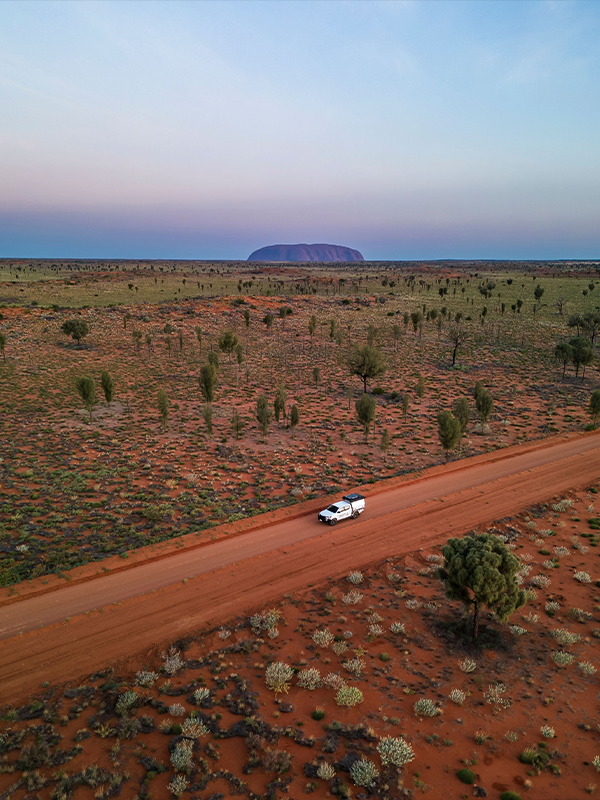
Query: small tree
point(163, 407)
point(228, 342)
point(484, 405)
point(108, 387)
point(481, 571)
point(268, 320)
point(538, 292)
point(247, 317)
point(198, 332)
point(137, 338)
point(563, 353)
point(279, 402)
point(213, 359)
point(3, 345)
point(457, 338)
point(594, 406)
point(582, 353)
point(87, 391)
point(237, 423)
point(77, 329)
point(207, 416)
point(367, 362)
point(365, 411)
point(316, 373)
point(239, 354)
point(208, 382)
point(263, 413)
point(294, 418)
point(312, 327)
point(462, 412)
point(420, 390)
point(405, 404)
point(386, 440)
point(449, 431)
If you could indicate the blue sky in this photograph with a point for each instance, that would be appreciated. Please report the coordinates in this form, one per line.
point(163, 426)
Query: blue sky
point(405, 129)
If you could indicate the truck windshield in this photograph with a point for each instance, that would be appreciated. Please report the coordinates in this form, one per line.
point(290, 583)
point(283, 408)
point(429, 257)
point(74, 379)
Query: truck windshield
point(334, 509)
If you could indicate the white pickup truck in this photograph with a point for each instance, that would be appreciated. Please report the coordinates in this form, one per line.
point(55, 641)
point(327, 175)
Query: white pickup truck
point(351, 505)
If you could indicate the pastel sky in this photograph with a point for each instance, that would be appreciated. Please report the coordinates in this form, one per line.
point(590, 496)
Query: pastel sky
point(405, 129)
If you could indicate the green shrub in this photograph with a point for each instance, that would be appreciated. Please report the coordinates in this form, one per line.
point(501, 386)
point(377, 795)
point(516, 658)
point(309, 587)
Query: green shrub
point(318, 714)
point(510, 796)
point(466, 776)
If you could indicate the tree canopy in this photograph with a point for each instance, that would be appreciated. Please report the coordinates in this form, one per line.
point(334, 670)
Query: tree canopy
point(367, 362)
point(365, 411)
point(77, 329)
point(449, 430)
point(481, 571)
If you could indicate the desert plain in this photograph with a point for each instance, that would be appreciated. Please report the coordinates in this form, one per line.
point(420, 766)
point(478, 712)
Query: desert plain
point(303, 650)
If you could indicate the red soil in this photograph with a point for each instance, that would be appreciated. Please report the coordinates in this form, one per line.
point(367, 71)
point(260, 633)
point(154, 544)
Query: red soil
point(248, 571)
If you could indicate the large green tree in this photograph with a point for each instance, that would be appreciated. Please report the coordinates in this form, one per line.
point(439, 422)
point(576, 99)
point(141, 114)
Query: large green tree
point(367, 362)
point(77, 329)
point(228, 342)
point(594, 406)
point(462, 412)
point(484, 405)
point(480, 570)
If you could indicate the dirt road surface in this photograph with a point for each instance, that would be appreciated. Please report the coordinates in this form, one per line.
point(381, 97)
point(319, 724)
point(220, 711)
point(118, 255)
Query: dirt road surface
point(82, 628)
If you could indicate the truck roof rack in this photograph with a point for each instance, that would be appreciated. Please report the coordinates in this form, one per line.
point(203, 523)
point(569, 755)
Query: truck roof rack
point(351, 498)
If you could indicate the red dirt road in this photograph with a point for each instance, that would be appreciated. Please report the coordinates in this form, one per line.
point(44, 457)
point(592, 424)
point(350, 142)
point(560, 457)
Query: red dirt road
point(151, 606)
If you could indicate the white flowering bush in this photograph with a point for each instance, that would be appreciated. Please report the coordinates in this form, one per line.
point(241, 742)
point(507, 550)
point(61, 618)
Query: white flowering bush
point(511, 736)
point(176, 710)
point(193, 728)
point(495, 696)
point(426, 708)
point(323, 638)
point(397, 627)
point(352, 598)
point(467, 665)
point(596, 762)
point(172, 661)
point(395, 751)
point(177, 785)
point(548, 564)
point(582, 577)
point(552, 606)
point(394, 577)
point(412, 604)
point(278, 676)
point(146, 678)
point(564, 637)
point(265, 621)
point(355, 666)
point(547, 732)
point(517, 630)
point(339, 648)
point(201, 694)
point(355, 577)
point(375, 630)
point(457, 696)
point(325, 771)
point(309, 678)
point(125, 702)
point(181, 757)
point(530, 593)
point(541, 581)
point(587, 668)
point(333, 680)
point(348, 696)
point(562, 659)
point(364, 772)
point(562, 505)
point(561, 552)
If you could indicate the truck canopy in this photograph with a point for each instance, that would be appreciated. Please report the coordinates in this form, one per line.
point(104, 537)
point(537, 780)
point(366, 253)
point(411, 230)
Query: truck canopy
point(352, 498)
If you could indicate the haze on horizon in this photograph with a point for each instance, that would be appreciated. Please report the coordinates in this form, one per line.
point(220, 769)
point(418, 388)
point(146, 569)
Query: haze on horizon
point(199, 130)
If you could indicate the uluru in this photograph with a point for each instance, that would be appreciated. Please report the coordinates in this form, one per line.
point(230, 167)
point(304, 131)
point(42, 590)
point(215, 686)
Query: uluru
point(305, 252)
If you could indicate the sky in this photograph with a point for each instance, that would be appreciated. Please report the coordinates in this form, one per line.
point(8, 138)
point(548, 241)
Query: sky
point(407, 129)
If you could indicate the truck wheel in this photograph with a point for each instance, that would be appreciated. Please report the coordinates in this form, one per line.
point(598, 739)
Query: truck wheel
point(354, 514)
point(333, 521)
